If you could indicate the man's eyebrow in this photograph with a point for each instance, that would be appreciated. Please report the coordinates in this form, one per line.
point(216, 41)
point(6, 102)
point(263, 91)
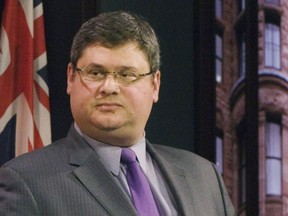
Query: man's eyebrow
point(98, 66)
point(119, 68)
point(125, 68)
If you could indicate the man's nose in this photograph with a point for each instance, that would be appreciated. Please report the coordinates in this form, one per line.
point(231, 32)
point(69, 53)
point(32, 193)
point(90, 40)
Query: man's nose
point(110, 85)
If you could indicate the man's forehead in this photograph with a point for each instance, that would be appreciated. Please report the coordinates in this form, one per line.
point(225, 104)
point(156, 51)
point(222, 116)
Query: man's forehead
point(126, 55)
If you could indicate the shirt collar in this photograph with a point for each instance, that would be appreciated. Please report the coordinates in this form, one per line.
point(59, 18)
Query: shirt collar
point(110, 155)
point(140, 151)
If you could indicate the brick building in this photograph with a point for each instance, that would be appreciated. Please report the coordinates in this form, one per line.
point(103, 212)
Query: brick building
point(271, 154)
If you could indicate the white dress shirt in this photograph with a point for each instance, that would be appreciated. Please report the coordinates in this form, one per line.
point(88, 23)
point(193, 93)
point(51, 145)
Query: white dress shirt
point(110, 156)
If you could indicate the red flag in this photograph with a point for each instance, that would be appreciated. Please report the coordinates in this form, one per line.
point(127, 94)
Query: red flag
point(24, 93)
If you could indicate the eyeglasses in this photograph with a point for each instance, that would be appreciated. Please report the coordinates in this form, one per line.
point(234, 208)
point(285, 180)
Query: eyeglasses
point(95, 74)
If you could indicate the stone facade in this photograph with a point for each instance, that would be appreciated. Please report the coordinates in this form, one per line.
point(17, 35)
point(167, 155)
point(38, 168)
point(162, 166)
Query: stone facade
point(273, 99)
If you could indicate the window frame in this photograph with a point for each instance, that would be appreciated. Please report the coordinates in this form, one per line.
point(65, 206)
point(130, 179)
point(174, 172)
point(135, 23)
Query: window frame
point(273, 2)
point(242, 54)
point(219, 151)
point(219, 8)
point(241, 5)
point(218, 57)
point(273, 120)
point(242, 164)
point(272, 46)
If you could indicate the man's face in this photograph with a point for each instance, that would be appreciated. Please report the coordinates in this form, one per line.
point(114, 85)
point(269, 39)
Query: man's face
point(107, 110)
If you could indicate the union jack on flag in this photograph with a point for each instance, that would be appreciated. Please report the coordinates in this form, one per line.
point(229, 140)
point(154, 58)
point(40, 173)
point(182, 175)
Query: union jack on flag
point(24, 93)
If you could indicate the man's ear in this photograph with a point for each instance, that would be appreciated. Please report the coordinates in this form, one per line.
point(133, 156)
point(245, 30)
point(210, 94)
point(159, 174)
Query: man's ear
point(156, 85)
point(70, 78)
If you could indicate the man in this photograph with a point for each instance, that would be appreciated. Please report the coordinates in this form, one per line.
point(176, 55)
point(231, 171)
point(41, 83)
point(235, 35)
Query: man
point(113, 80)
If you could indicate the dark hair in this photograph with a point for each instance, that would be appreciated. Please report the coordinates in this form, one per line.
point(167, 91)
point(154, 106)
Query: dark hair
point(113, 29)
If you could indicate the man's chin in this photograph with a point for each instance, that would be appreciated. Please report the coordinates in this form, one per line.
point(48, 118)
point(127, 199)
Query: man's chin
point(108, 125)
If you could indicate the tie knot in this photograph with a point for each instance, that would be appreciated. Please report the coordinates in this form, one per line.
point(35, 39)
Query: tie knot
point(128, 156)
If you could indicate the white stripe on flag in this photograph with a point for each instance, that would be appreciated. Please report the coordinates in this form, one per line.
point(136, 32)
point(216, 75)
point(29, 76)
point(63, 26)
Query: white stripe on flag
point(38, 11)
point(5, 58)
point(27, 6)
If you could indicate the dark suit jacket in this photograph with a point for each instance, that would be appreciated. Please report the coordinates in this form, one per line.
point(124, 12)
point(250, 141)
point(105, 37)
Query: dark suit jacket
point(67, 178)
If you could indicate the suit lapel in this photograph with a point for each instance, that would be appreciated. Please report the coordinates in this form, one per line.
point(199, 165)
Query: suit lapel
point(104, 188)
point(92, 173)
point(177, 181)
point(101, 184)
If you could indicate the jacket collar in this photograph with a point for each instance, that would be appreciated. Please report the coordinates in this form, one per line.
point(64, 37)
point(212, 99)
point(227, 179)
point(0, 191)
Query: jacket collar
point(176, 179)
point(92, 173)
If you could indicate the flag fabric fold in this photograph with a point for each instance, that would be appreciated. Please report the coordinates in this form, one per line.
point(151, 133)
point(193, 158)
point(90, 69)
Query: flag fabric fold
point(24, 93)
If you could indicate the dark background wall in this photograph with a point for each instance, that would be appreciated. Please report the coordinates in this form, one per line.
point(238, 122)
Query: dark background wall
point(185, 115)
point(171, 122)
point(175, 117)
point(62, 19)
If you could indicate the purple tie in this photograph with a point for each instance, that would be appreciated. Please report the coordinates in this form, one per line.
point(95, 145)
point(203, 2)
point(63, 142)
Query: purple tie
point(139, 187)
